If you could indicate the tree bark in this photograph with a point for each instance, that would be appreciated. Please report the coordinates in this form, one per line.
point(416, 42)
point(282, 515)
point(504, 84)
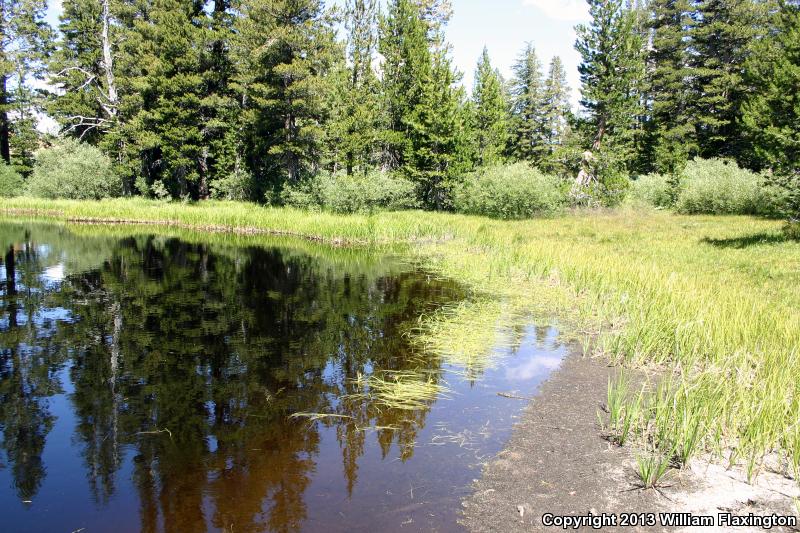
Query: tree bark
point(108, 64)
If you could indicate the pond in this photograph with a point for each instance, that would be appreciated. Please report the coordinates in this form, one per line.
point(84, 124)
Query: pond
point(177, 382)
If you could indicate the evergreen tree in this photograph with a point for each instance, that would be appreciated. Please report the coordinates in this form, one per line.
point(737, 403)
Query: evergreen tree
point(220, 155)
point(490, 112)
point(407, 70)
point(440, 141)
point(284, 50)
point(360, 117)
point(724, 31)
point(771, 113)
point(77, 70)
point(24, 46)
point(527, 94)
point(672, 126)
point(169, 126)
point(555, 110)
point(426, 135)
point(83, 68)
point(612, 69)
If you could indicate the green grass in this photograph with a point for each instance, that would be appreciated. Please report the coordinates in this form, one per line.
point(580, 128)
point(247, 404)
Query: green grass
point(712, 301)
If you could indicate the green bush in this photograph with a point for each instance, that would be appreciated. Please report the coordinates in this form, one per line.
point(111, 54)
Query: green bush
point(792, 230)
point(11, 182)
point(653, 189)
point(719, 186)
point(510, 192)
point(237, 185)
point(783, 191)
point(73, 170)
point(359, 193)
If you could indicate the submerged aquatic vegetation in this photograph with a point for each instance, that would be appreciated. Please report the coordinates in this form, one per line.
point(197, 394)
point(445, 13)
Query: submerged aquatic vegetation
point(407, 390)
point(469, 335)
point(313, 417)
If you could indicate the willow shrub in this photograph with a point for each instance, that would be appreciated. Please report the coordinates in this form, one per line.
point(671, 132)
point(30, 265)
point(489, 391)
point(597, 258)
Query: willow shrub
point(720, 187)
point(653, 189)
point(11, 183)
point(73, 170)
point(711, 186)
point(357, 193)
point(509, 192)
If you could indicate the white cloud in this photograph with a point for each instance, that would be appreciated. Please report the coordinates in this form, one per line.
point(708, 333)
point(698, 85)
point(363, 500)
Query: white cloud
point(561, 9)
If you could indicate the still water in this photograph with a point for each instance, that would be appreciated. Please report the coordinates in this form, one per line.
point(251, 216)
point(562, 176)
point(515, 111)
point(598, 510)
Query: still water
point(147, 383)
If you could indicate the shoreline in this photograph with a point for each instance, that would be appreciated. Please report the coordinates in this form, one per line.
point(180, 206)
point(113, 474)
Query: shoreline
point(557, 461)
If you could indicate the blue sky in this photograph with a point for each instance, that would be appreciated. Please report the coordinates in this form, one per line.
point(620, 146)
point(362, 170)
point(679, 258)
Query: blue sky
point(503, 26)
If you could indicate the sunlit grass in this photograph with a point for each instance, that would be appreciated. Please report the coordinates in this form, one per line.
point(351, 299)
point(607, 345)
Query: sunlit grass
point(406, 390)
point(711, 301)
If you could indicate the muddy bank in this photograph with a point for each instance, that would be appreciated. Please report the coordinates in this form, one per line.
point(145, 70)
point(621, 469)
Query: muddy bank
point(558, 462)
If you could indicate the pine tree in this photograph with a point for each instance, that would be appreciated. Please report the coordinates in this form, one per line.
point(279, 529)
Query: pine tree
point(771, 113)
point(527, 94)
point(612, 69)
point(555, 110)
point(169, 126)
point(407, 71)
point(24, 46)
point(284, 50)
point(721, 40)
point(672, 129)
point(491, 112)
point(77, 70)
point(426, 135)
point(220, 155)
point(438, 133)
point(360, 113)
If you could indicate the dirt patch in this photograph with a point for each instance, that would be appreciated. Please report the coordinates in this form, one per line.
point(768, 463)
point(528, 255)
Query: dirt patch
point(558, 462)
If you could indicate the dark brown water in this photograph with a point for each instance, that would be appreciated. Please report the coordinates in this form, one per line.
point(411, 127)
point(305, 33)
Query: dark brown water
point(147, 383)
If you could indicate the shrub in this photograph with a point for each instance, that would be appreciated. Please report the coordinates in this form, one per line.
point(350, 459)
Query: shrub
point(792, 230)
point(73, 170)
point(11, 183)
point(719, 186)
point(359, 193)
point(237, 185)
point(783, 192)
point(510, 192)
point(653, 189)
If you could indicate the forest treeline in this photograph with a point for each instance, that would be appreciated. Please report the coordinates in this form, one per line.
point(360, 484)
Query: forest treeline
point(251, 99)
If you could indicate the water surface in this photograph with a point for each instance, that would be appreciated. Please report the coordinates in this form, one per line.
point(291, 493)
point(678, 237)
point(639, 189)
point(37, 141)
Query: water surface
point(147, 383)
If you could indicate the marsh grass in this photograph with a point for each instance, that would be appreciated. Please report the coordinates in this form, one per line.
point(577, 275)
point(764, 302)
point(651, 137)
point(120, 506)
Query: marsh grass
point(469, 335)
point(651, 467)
point(649, 287)
point(624, 408)
point(405, 390)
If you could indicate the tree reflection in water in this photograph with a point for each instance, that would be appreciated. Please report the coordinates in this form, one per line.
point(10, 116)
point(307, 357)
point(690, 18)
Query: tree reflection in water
point(189, 357)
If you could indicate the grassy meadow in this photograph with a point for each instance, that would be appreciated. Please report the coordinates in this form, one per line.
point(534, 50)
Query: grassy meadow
point(710, 302)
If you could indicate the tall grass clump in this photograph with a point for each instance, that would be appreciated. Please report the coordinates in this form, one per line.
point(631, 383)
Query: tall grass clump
point(73, 170)
point(720, 187)
point(624, 409)
point(11, 183)
point(357, 193)
point(509, 192)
